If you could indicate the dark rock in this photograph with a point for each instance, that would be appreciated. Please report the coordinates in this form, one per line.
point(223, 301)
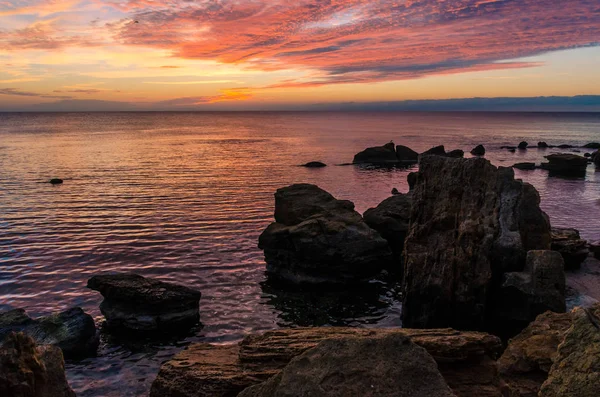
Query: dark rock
point(390, 219)
point(465, 360)
point(592, 145)
point(565, 146)
point(596, 159)
point(27, 370)
point(136, 303)
point(435, 151)
point(565, 163)
point(508, 147)
point(595, 249)
point(524, 166)
point(406, 155)
point(56, 181)
point(73, 331)
point(390, 365)
point(478, 150)
point(569, 244)
point(542, 145)
point(315, 164)
point(470, 223)
point(457, 154)
point(318, 239)
point(512, 150)
point(523, 145)
point(411, 178)
point(525, 363)
point(385, 154)
point(587, 155)
point(395, 191)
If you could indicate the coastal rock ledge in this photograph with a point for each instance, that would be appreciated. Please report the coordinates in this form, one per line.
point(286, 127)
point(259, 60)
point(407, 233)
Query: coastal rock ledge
point(465, 361)
point(132, 302)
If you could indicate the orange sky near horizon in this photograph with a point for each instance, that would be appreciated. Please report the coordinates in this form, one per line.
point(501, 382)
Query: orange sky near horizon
point(204, 54)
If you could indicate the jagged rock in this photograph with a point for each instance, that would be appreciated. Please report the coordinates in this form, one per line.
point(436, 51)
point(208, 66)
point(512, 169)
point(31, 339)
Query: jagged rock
point(315, 164)
point(73, 331)
point(406, 155)
point(525, 363)
point(569, 244)
point(523, 145)
point(465, 359)
point(27, 370)
point(318, 239)
point(411, 178)
point(391, 365)
point(539, 288)
point(478, 150)
point(435, 151)
point(470, 223)
point(135, 303)
point(592, 145)
point(576, 368)
point(55, 181)
point(542, 145)
point(390, 219)
point(456, 154)
point(385, 154)
point(565, 163)
point(524, 166)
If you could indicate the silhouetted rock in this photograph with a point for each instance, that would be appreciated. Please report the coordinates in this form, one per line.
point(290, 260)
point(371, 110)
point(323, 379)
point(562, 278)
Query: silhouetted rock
point(596, 158)
point(564, 146)
point(542, 145)
point(565, 163)
point(411, 178)
point(55, 181)
point(587, 155)
point(524, 166)
point(435, 151)
point(395, 191)
point(478, 150)
point(315, 164)
point(592, 145)
point(569, 244)
point(470, 223)
point(391, 365)
point(595, 248)
point(318, 239)
point(512, 150)
point(73, 331)
point(385, 154)
point(508, 147)
point(523, 145)
point(135, 303)
point(456, 154)
point(27, 370)
point(406, 155)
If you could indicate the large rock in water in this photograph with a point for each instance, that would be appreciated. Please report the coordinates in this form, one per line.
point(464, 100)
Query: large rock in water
point(569, 244)
point(565, 163)
point(470, 223)
point(390, 219)
point(388, 154)
point(465, 360)
point(27, 370)
point(135, 303)
point(318, 239)
point(73, 330)
point(390, 365)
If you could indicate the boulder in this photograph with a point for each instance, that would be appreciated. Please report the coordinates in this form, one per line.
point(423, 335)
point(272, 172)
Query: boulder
point(470, 223)
point(318, 239)
point(315, 164)
point(465, 360)
point(524, 166)
point(411, 178)
point(523, 145)
point(565, 163)
point(385, 154)
point(73, 331)
point(592, 145)
point(569, 244)
point(391, 365)
point(390, 219)
point(27, 370)
point(525, 363)
point(395, 191)
point(478, 150)
point(406, 155)
point(135, 303)
point(576, 367)
point(55, 181)
point(539, 288)
point(542, 145)
point(456, 154)
point(435, 151)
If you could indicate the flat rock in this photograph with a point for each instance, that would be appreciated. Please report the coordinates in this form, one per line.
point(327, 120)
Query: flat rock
point(592, 145)
point(524, 166)
point(565, 163)
point(73, 331)
point(132, 302)
point(569, 244)
point(55, 181)
point(315, 164)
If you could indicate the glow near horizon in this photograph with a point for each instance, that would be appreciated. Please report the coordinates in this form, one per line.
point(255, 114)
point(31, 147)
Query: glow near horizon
point(203, 53)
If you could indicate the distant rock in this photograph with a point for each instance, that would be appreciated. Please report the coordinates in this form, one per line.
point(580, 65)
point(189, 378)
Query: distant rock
point(73, 331)
point(385, 154)
point(456, 154)
point(587, 155)
point(524, 166)
point(27, 370)
point(592, 145)
point(315, 164)
point(563, 146)
point(395, 191)
point(569, 244)
point(523, 145)
point(411, 178)
point(318, 239)
point(435, 151)
point(508, 147)
point(596, 159)
point(478, 150)
point(55, 181)
point(135, 303)
point(595, 248)
point(391, 365)
point(542, 145)
point(406, 155)
point(565, 163)
point(512, 150)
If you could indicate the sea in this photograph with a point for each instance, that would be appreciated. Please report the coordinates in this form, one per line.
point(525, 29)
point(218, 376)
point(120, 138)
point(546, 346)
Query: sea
point(183, 197)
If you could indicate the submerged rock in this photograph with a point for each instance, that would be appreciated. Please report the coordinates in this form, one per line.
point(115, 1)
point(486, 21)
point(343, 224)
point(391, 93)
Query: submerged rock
point(391, 365)
point(478, 150)
point(73, 331)
point(315, 164)
point(470, 223)
point(569, 244)
point(27, 370)
point(135, 303)
point(596, 159)
point(523, 145)
point(592, 145)
point(524, 166)
point(435, 151)
point(55, 181)
point(564, 146)
point(318, 239)
point(565, 163)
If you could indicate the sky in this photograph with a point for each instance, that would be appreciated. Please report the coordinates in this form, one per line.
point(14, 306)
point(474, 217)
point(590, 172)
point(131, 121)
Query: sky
point(272, 54)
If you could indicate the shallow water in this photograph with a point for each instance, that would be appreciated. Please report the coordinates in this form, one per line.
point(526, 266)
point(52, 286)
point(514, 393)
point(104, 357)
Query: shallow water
point(184, 197)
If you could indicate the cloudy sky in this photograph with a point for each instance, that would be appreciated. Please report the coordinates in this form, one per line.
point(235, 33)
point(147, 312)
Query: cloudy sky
point(267, 53)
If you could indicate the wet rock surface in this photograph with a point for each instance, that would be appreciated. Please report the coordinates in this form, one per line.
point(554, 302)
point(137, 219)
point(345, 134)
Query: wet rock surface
point(569, 244)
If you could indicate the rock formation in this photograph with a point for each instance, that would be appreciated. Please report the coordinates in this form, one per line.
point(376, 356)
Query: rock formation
point(73, 331)
point(318, 239)
point(565, 163)
point(315, 164)
point(388, 154)
point(523, 145)
point(569, 244)
point(135, 303)
point(435, 151)
point(592, 145)
point(478, 150)
point(457, 153)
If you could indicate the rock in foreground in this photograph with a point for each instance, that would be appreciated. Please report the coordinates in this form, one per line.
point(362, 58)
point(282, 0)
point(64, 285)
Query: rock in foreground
point(391, 365)
point(135, 303)
point(27, 370)
point(318, 239)
point(73, 331)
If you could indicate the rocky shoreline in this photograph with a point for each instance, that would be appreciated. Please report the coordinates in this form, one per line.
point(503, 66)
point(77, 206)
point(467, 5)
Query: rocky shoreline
point(486, 281)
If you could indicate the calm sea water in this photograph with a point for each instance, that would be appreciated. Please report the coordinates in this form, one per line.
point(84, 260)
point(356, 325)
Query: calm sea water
point(184, 196)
